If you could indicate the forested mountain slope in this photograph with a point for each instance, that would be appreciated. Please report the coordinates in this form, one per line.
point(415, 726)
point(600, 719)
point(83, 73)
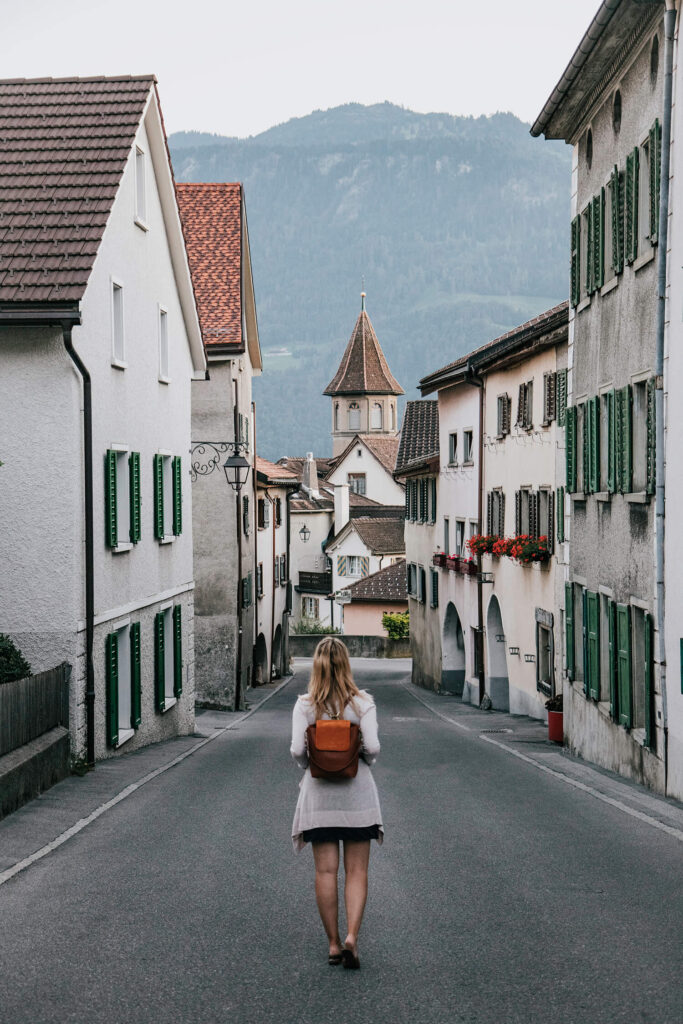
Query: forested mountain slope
point(457, 225)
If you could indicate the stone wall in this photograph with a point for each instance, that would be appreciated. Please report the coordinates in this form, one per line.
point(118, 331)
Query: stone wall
point(303, 645)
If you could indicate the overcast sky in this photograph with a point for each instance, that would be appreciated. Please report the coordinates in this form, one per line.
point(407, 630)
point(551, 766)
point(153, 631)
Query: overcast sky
point(238, 68)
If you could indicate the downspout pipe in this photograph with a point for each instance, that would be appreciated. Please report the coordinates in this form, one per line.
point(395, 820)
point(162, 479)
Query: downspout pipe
point(240, 608)
point(662, 243)
point(476, 381)
point(272, 605)
point(89, 545)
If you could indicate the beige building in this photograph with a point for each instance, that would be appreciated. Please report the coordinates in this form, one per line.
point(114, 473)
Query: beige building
point(367, 600)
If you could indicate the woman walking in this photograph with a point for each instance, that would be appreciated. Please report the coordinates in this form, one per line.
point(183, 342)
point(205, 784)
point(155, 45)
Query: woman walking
point(330, 810)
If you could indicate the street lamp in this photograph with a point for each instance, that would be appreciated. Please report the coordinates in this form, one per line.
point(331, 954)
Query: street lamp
point(304, 533)
point(236, 470)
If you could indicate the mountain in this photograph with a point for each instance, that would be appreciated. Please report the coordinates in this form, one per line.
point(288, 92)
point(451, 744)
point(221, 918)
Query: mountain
point(456, 225)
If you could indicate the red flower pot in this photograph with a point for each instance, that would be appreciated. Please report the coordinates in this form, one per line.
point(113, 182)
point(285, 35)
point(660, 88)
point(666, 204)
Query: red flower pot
point(555, 727)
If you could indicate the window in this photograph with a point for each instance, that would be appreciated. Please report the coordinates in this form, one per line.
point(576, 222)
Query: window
point(545, 524)
point(434, 588)
point(283, 570)
point(357, 565)
point(168, 657)
point(246, 525)
point(377, 416)
point(356, 482)
point(354, 416)
point(525, 406)
point(459, 537)
point(549, 397)
point(495, 513)
point(263, 513)
point(118, 346)
point(654, 60)
point(259, 580)
point(393, 417)
point(545, 657)
point(504, 415)
point(645, 227)
point(453, 449)
point(310, 607)
point(639, 434)
point(446, 536)
point(278, 511)
point(336, 415)
point(616, 112)
point(168, 500)
point(474, 527)
point(421, 584)
point(122, 499)
point(123, 703)
point(163, 346)
point(140, 189)
point(589, 148)
point(432, 499)
point(524, 511)
point(411, 575)
point(468, 446)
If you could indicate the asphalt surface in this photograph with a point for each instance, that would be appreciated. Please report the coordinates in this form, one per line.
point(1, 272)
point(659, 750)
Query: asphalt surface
point(514, 884)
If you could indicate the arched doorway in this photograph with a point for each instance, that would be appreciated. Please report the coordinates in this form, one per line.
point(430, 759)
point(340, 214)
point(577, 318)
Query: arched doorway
point(277, 653)
point(497, 680)
point(453, 653)
point(260, 661)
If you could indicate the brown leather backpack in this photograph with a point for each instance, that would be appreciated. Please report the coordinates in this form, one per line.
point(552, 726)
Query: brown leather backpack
point(333, 749)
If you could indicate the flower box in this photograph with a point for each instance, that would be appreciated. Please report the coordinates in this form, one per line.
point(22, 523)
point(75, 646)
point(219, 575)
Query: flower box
point(439, 559)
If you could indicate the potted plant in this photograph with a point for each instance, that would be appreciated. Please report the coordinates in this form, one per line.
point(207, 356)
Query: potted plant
point(555, 719)
point(481, 543)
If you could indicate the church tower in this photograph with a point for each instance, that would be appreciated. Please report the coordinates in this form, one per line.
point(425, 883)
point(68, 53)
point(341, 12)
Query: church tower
point(363, 390)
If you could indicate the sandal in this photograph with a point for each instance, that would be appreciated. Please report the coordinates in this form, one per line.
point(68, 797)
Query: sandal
point(334, 959)
point(350, 959)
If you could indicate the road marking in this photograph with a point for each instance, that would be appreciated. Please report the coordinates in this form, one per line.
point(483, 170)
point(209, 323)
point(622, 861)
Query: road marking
point(438, 714)
point(128, 791)
point(675, 833)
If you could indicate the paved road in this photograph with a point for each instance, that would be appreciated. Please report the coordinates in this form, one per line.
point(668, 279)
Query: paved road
point(502, 894)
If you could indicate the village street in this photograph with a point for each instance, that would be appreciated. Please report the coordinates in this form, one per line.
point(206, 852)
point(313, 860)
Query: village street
point(502, 893)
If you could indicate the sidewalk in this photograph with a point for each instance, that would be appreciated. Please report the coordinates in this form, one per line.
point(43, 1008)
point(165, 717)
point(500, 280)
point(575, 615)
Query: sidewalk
point(66, 808)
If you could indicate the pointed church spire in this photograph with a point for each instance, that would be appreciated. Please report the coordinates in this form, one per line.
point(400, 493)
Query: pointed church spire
point(363, 369)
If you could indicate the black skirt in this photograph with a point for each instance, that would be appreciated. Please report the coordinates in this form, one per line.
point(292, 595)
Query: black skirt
point(337, 832)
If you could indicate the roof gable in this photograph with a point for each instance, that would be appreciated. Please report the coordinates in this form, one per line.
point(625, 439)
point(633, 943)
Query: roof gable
point(419, 433)
point(363, 369)
point(388, 584)
point(384, 449)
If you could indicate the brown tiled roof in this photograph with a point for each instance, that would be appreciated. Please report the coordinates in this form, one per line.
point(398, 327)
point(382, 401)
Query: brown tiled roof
point(419, 433)
point(485, 354)
point(359, 504)
point(211, 214)
point(381, 536)
point(385, 450)
point(387, 585)
point(64, 144)
point(363, 367)
point(296, 465)
point(270, 473)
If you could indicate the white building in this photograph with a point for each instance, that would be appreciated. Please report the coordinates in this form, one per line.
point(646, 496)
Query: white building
point(99, 342)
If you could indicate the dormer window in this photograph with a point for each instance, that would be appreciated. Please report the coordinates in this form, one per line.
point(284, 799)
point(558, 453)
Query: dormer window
point(354, 416)
point(377, 418)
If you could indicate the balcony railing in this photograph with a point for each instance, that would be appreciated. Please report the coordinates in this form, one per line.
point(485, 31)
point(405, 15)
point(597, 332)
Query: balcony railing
point(314, 583)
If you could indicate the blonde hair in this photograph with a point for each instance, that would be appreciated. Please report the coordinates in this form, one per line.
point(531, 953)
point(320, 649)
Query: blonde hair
point(331, 686)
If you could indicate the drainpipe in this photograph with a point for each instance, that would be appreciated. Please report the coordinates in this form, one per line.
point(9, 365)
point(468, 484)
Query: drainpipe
point(89, 546)
point(662, 239)
point(288, 600)
point(240, 610)
point(472, 378)
point(272, 606)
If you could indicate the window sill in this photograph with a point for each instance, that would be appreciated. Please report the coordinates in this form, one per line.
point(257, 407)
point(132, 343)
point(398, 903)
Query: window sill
point(468, 462)
point(167, 540)
point(169, 703)
point(610, 286)
point(119, 364)
point(542, 566)
point(121, 548)
point(124, 736)
point(141, 224)
point(603, 496)
point(637, 498)
point(164, 380)
point(604, 709)
point(577, 496)
point(643, 260)
point(584, 304)
point(639, 736)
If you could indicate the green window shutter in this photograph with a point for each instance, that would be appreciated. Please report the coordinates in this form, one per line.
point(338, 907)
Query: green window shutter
point(435, 589)
point(518, 513)
point(159, 497)
point(617, 221)
point(134, 490)
point(649, 685)
point(110, 519)
point(178, 649)
point(560, 515)
point(177, 496)
point(561, 397)
point(570, 446)
point(433, 517)
point(575, 283)
point(611, 441)
point(159, 663)
point(593, 610)
point(112, 674)
point(624, 664)
point(407, 510)
point(612, 648)
point(625, 438)
point(584, 633)
point(590, 248)
point(489, 513)
point(135, 680)
point(585, 433)
point(631, 201)
point(655, 178)
point(599, 229)
point(593, 421)
point(651, 459)
point(569, 629)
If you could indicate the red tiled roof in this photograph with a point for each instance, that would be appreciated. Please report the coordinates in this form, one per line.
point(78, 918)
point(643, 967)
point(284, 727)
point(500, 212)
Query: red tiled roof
point(64, 143)
point(211, 214)
point(274, 474)
point(363, 367)
point(381, 536)
point(387, 584)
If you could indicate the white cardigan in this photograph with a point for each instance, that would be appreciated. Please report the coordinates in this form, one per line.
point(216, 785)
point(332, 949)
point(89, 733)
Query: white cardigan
point(347, 802)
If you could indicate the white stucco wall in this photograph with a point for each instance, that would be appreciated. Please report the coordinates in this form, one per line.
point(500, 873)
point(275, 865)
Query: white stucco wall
point(379, 484)
point(271, 606)
point(343, 435)
point(310, 557)
point(351, 544)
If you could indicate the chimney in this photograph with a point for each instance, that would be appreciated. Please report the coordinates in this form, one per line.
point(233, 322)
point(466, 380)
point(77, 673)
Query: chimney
point(309, 480)
point(341, 506)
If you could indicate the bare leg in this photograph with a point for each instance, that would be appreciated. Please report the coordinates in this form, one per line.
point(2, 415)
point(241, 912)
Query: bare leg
point(326, 857)
point(356, 858)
